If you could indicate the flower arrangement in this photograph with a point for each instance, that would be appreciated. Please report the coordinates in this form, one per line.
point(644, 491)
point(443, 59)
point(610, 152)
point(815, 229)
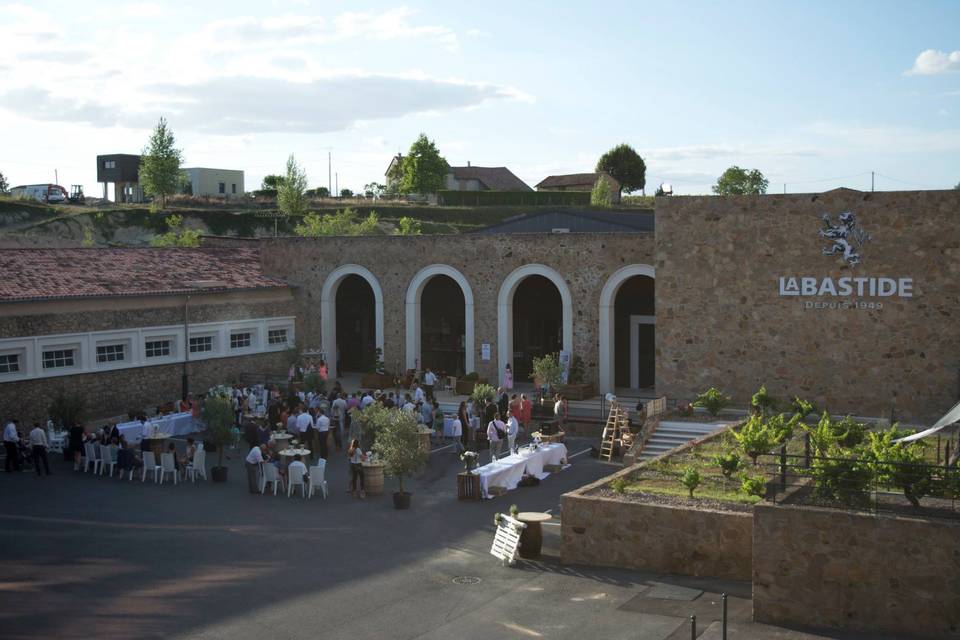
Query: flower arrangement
point(220, 391)
point(469, 458)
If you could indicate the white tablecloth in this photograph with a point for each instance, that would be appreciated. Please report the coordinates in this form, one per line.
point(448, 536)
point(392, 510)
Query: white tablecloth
point(507, 472)
point(176, 424)
point(448, 427)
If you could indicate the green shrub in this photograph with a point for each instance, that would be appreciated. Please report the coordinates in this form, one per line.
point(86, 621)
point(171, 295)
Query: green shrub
point(690, 479)
point(67, 409)
point(219, 418)
point(837, 476)
point(482, 393)
point(398, 445)
point(762, 402)
point(802, 408)
point(713, 401)
point(514, 510)
point(829, 433)
point(755, 437)
point(473, 376)
point(900, 464)
point(753, 485)
point(781, 427)
point(547, 371)
point(578, 371)
point(619, 485)
point(729, 463)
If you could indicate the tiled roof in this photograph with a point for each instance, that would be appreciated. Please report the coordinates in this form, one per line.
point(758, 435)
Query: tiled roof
point(494, 178)
point(571, 179)
point(39, 274)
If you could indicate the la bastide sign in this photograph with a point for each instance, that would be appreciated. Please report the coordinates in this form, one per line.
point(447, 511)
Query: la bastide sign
point(845, 239)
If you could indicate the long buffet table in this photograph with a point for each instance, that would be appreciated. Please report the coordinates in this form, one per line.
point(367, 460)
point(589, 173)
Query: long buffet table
point(507, 472)
point(175, 424)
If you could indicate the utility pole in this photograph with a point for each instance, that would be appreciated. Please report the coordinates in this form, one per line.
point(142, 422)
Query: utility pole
point(329, 180)
point(784, 188)
point(871, 181)
point(56, 177)
point(336, 177)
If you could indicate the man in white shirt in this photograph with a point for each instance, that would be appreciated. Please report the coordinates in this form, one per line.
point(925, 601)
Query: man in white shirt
point(513, 427)
point(38, 448)
point(456, 430)
point(304, 422)
point(10, 441)
point(323, 427)
point(338, 410)
point(254, 459)
point(417, 393)
point(496, 432)
point(408, 405)
point(429, 379)
point(297, 465)
point(366, 401)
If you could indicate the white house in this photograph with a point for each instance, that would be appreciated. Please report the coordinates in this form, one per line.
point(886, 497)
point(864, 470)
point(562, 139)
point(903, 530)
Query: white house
point(219, 183)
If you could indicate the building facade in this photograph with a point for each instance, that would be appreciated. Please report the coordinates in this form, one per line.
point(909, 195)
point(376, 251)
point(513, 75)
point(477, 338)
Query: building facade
point(216, 183)
point(122, 170)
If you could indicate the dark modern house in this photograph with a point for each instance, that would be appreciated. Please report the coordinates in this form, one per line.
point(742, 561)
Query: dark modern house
point(123, 171)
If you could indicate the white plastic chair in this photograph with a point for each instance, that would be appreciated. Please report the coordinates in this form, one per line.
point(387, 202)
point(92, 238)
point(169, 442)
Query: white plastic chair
point(197, 467)
point(91, 458)
point(294, 480)
point(316, 478)
point(269, 473)
point(150, 465)
point(168, 465)
point(108, 457)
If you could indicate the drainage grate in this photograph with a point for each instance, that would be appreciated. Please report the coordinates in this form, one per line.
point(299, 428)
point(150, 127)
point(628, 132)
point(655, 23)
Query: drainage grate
point(466, 580)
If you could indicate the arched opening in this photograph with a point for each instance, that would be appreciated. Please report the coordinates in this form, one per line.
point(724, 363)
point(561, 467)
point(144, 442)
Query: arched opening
point(442, 326)
point(439, 320)
point(537, 323)
point(349, 307)
point(356, 325)
point(634, 334)
point(627, 331)
point(538, 314)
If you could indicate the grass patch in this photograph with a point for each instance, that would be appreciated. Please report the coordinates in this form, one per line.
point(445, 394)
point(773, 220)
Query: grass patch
point(707, 489)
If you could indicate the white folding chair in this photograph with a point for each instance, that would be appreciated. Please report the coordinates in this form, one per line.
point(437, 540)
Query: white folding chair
point(90, 450)
point(150, 466)
point(168, 465)
point(294, 480)
point(316, 478)
point(269, 473)
point(108, 457)
point(198, 466)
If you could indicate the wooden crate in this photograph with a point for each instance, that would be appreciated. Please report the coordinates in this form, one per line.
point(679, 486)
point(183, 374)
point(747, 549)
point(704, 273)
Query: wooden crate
point(495, 490)
point(468, 486)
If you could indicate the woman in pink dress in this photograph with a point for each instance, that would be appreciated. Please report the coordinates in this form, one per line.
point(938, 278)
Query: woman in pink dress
point(508, 378)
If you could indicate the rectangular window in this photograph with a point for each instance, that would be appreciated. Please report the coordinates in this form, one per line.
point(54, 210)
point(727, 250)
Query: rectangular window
point(233, 187)
point(201, 344)
point(277, 336)
point(223, 187)
point(10, 363)
point(110, 352)
point(58, 358)
point(239, 340)
point(156, 348)
point(109, 164)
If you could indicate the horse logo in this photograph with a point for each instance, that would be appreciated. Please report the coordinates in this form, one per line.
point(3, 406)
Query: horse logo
point(846, 237)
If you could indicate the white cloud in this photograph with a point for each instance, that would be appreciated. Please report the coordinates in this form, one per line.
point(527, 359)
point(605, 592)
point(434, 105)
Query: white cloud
point(714, 151)
point(847, 138)
point(933, 62)
point(142, 10)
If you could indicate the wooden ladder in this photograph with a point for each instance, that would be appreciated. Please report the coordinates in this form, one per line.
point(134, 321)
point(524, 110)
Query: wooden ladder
point(616, 424)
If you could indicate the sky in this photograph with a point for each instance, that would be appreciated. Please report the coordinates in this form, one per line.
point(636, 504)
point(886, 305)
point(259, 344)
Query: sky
point(816, 95)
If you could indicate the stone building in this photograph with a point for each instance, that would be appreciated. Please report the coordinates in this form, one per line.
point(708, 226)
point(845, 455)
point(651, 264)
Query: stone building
point(111, 324)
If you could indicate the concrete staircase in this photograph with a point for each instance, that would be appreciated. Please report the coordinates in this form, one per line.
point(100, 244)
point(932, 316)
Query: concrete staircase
point(670, 435)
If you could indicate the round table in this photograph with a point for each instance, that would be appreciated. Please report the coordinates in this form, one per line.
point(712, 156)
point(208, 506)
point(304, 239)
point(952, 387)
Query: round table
point(303, 453)
point(281, 440)
point(531, 539)
point(156, 443)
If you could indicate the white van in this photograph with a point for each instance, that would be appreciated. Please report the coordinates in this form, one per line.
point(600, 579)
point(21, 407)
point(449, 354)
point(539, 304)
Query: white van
point(52, 193)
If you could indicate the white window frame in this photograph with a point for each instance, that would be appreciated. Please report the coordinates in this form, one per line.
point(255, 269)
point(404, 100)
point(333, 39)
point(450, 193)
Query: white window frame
point(164, 342)
point(125, 349)
point(175, 337)
point(273, 326)
point(53, 348)
point(278, 345)
point(202, 355)
point(22, 365)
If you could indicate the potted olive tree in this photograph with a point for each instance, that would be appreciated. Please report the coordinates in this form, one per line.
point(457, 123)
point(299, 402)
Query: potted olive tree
point(218, 416)
point(577, 388)
point(398, 447)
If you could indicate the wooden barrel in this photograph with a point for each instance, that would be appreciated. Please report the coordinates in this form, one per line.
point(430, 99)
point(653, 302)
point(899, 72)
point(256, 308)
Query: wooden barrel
point(373, 479)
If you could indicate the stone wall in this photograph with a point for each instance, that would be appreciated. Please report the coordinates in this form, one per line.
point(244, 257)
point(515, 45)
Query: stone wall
point(602, 531)
point(828, 568)
point(111, 393)
point(722, 321)
point(585, 260)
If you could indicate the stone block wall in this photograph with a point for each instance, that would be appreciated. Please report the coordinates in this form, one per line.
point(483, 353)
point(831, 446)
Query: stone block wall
point(601, 531)
point(829, 568)
point(721, 320)
point(585, 260)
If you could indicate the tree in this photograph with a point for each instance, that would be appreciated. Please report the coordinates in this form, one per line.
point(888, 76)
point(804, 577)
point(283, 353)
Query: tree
point(626, 166)
point(219, 417)
point(177, 236)
point(340, 223)
point(160, 163)
point(4, 185)
point(374, 190)
point(291, 196)
point(398, 445)
point(424, 169)
point(737, 182)
point(755, 437)
point(600, 196)
point(271, 182)
point(409, 227)
point(713, 401)
point(956, 187)
point(319, 192)
point(900, 464)
point(346, 193)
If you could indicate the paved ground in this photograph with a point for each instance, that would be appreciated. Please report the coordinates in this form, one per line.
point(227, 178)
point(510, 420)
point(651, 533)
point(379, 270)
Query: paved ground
point(91, 557)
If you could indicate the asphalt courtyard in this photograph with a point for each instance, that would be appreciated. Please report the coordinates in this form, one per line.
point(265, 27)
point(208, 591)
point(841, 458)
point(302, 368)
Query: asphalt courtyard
point(94, 557)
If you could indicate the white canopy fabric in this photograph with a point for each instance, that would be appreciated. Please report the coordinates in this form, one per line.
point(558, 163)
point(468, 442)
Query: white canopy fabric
point(952, 416)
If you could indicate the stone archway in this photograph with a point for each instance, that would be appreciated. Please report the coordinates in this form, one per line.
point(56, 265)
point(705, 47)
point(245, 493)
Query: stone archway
point(413, 314)
point(505, 310)
point(608, 298)
point(328, 310)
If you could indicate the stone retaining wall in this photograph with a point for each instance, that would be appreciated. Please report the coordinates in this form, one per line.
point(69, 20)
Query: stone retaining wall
point(602, 531)
point(829, 568)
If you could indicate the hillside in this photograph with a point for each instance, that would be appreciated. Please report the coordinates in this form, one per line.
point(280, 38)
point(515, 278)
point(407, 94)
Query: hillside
point(27, 224)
